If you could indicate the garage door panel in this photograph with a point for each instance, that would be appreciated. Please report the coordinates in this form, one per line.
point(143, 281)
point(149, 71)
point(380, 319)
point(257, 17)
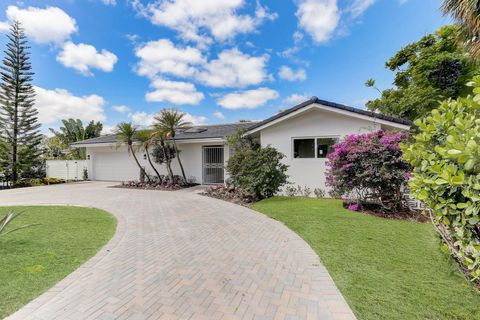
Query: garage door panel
point(114, 166)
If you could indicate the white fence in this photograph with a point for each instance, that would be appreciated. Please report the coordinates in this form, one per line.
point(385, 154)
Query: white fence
point(66, 169)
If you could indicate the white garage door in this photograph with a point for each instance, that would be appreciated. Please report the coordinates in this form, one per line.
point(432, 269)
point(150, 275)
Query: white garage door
point(114, 166)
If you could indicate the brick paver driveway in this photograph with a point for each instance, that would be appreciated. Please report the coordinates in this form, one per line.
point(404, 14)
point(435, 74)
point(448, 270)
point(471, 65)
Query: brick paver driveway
point(180, 255)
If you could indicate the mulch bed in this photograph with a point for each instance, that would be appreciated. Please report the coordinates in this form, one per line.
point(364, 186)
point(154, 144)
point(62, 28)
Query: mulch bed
point(157, 188)
point(375, 210)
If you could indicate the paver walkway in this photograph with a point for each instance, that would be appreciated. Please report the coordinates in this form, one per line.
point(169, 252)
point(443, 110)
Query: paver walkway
point(180, 255)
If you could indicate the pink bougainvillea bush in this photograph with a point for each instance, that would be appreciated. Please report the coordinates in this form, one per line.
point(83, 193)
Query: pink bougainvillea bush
point(369, 168)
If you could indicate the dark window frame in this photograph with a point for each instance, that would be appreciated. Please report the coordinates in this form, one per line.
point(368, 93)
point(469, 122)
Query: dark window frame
point(315, 145)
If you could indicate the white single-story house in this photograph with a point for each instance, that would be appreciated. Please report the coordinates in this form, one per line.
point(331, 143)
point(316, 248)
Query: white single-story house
point(304, 134)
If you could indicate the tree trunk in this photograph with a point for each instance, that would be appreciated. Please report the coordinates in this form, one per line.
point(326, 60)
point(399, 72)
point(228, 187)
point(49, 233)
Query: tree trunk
point(138, 163)
point(15, 132)
point(153, 167)
point(179, 161)
point(167, 160)
point(168, 163)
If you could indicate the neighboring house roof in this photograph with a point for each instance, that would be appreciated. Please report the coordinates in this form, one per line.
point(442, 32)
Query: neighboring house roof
point(332, 105)
point(196, 132)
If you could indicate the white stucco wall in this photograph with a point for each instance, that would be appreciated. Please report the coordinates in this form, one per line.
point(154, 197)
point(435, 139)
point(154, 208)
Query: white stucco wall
point(115, 164)
point(312, 123)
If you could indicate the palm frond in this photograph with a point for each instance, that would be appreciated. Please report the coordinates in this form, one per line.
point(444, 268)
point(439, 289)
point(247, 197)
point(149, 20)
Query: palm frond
point(8, 218)
point(171, 121)
point(467, 15)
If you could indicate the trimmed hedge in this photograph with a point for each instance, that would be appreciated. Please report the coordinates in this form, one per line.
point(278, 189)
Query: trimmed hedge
point(445, 155)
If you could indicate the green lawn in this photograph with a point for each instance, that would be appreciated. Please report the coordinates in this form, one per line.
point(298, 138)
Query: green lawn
point(34, 259)
point(386, 269)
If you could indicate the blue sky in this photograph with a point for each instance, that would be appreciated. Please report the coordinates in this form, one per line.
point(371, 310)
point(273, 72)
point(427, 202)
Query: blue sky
point(219, 61)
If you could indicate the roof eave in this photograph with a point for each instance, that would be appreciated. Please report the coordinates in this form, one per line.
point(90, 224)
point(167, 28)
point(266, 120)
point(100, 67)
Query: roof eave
point(371, 116)
point(180, 140)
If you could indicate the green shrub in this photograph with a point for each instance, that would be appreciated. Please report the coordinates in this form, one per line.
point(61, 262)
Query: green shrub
point(319, 193)
point(36, 182)
point(291, 191)
point(259, 172)
point(23, 183)
point(445, 154)
point(53, 181)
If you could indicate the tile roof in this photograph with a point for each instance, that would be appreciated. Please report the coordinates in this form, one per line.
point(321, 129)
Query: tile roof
point(212, 131)
point(223, 130)
point(333, 105)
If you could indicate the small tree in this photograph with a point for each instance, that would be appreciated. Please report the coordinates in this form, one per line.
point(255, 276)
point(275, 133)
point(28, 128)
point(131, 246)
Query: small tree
point(445, 155)
point(164, 153)
point(370, 168)
point(260, 172)
point(434, 68)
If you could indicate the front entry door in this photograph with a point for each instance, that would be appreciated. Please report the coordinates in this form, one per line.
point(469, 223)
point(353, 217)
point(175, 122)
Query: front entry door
point(213, 163)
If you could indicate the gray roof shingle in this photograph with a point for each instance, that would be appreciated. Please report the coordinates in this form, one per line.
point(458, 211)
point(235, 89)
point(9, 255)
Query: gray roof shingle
point(212, 131)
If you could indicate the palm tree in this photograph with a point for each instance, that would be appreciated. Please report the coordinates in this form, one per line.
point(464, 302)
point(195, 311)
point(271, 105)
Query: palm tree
point(73, 131)
point(467, 15)
point(171, 121)
point(146, 140)
point(126, 134)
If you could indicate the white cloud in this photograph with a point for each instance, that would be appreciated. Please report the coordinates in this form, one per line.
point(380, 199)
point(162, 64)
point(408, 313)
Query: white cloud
point(4, 26)
point(196, 120)
point(142, 118)
point(358, 7)
point(319, 18)
point(297, 37)
point(248, 99)
point(219, 115)
point(146, 119)
point(82, 57)
point(199, 20)
point(109, 2)
point(295, 99)
point(121, 108)
point(287, 73)
point(132, 37)
point(108, 129)
point(176, 92)
point(233, 69)
point(49, 25)
point(162, 56)
point(289, 52)
point(58, 104)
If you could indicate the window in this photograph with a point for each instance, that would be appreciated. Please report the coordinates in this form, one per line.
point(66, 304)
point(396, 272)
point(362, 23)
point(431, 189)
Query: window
point(325, 146)
point(313, 147)
point(304, 148)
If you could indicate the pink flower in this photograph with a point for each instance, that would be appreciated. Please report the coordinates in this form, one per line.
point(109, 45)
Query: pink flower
point(354, 207)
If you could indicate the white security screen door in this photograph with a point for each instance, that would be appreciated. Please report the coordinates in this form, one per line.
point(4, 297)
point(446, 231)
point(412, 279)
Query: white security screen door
point(213, 163)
